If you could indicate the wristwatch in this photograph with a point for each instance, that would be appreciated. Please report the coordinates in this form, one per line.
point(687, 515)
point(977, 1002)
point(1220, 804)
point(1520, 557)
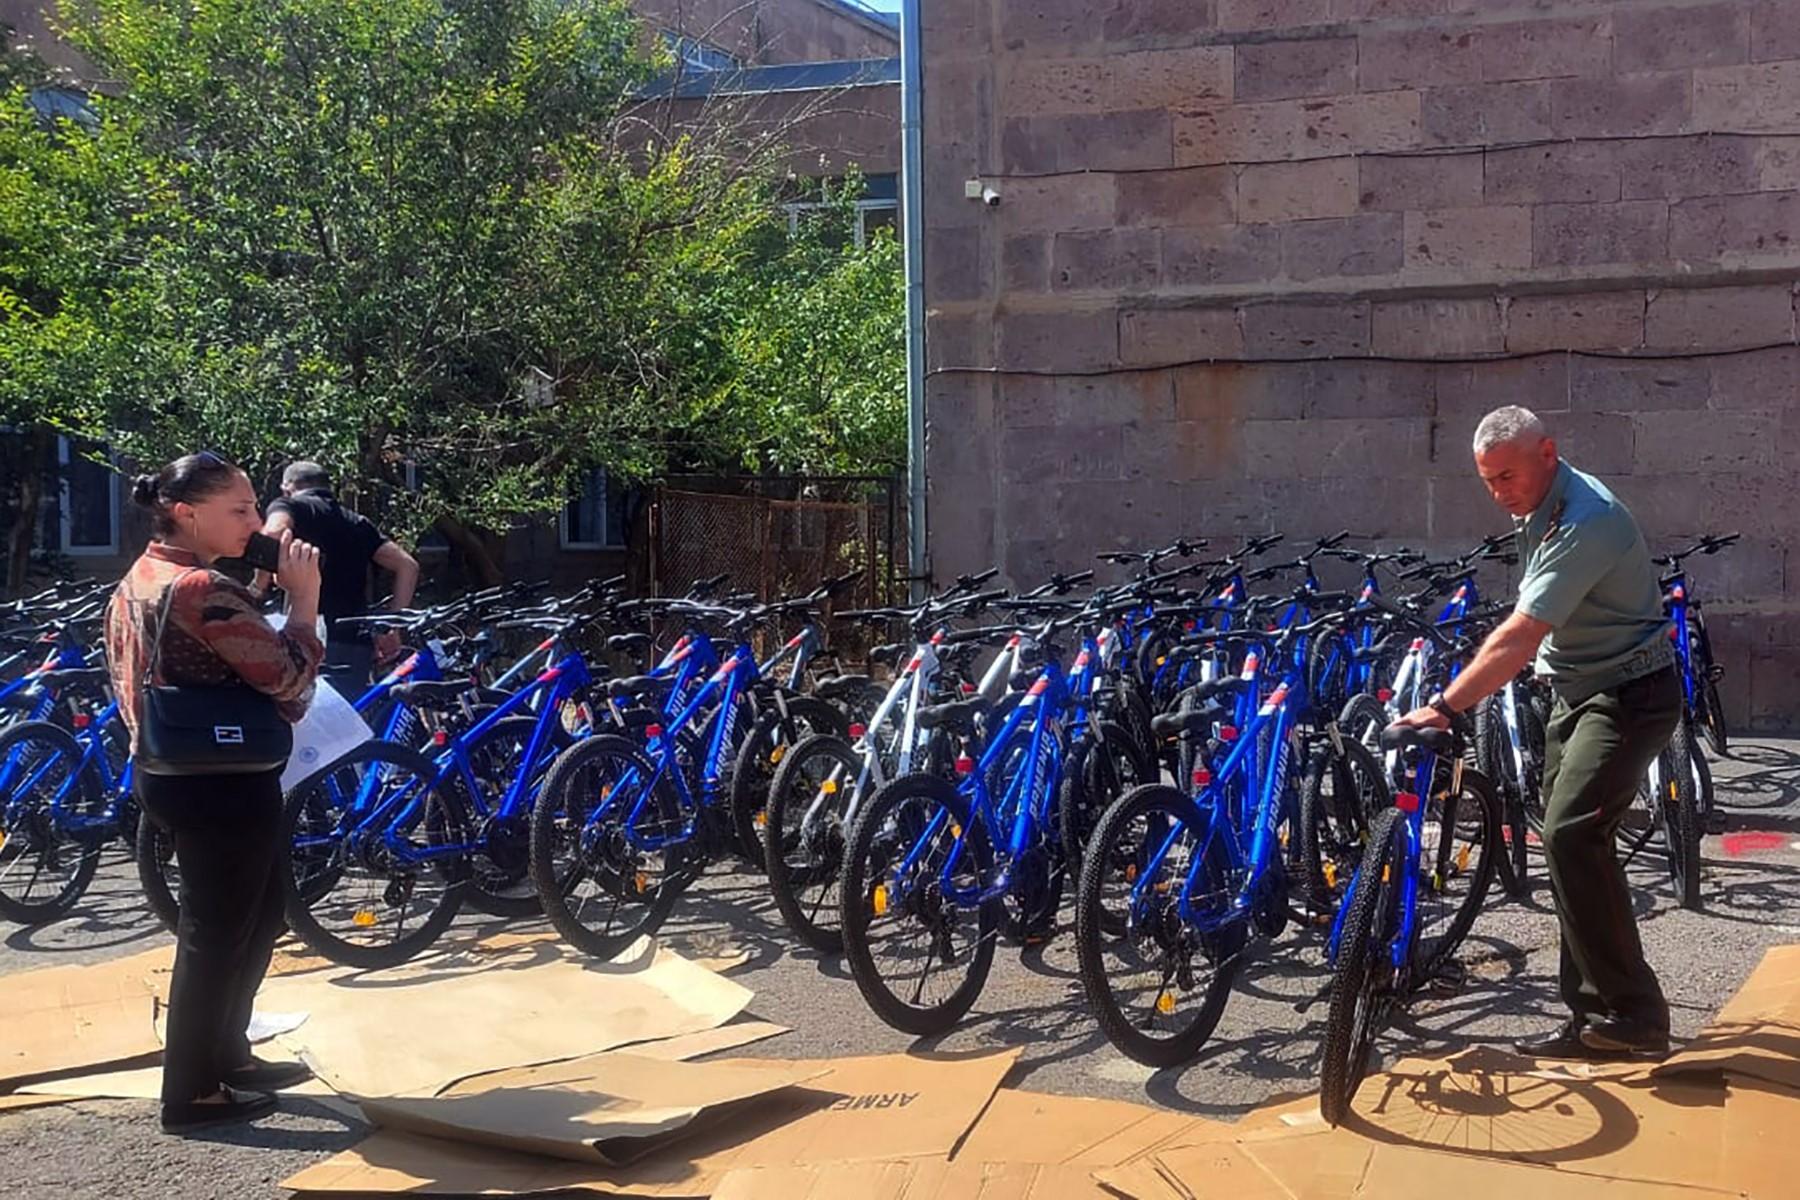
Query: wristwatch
point(1441, 706)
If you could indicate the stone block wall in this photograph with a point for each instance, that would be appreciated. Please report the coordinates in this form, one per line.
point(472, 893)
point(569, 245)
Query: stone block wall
point(1262, 264)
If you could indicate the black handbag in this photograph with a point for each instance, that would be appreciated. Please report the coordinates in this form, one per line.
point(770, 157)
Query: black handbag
point(226, 729)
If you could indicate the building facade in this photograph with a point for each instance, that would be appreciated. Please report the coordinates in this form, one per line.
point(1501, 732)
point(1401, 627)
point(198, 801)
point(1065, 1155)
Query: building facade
point(1263, 264)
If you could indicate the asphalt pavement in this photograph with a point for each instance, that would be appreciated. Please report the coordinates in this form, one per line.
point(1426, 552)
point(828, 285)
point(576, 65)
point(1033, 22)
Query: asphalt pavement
point(1263, 1047)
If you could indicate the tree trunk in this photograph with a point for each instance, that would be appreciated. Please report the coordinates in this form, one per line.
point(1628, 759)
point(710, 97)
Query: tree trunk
point(474, 548)
point(34, 460)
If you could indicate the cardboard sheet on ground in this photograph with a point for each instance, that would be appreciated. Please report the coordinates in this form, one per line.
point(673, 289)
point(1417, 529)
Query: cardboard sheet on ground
point(16, 1103)
point(67, 1018)
point(1027, 1145)
point(416, 1029)
point(626, 1108)
point(876, 1109)
point(1757, 1033)
point(1491, 1111)
point(686, 1046)
point(914, 1181)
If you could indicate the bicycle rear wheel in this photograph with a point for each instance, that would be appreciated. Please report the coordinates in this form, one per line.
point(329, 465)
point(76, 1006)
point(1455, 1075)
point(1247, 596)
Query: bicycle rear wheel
point(808, 799)
point(1102, 767)
point(500, 868)
point(1344, 791)
point(1712, 709)
point(1459, 851)
point(1679, 807)
point(611, 851)
point(1157, 982)
point(44, 867)
point(1364, 985)
point(158, 872)
point(918, 949)
point(360, 881)
point(769, 742)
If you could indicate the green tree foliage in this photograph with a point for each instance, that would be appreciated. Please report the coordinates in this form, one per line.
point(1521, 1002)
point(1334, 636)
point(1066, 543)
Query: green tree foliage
point(425, 233)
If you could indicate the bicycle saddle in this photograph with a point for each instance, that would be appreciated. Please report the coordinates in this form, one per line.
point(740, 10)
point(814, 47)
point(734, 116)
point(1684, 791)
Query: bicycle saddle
point(433, 693)
point(838, 687)
point(958, 715)
point(628, 642)
point(1399, 737)
point(640, 685)
point(75, 677)
point(1187, 724)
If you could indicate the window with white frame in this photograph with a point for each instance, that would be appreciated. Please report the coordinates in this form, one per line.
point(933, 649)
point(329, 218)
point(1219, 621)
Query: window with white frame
point(878, 208)
point(89, 501)
point(595, 518)
point(696, 55)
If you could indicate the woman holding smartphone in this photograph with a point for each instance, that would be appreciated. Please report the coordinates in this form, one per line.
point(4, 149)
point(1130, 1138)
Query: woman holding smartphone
point(203, 629)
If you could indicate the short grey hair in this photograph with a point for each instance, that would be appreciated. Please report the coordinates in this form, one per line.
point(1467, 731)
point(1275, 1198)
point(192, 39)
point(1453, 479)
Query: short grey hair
point(301, 475)
point(1510, 424)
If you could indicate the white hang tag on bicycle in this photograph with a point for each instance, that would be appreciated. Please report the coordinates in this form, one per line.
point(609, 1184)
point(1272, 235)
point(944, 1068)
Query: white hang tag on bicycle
point(331, 728)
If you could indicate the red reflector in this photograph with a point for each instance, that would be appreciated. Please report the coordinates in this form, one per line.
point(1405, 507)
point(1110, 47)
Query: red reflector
point(82, 720)
point(1202, 777)
point(964, 764)
point(967, 689)
point(1228, 733)
point(1407, 802)
point(858, 729)
point(653, 731)
point(1384, 694)
point(440, 738)
point(1188, 626)
point(1674, 634)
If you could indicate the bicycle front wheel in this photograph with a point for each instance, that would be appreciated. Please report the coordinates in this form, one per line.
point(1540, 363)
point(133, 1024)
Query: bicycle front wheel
point(610, 849)
point(1364, 985)
point(808, 799)
point(919, 945)
point(368, 878)
point(1157, 980)
point(44, 867)
point(1680, 814)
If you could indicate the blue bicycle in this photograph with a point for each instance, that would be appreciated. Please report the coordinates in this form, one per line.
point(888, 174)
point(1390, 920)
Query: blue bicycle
point(1424, 874)
point(1176, 879)
point(65, 793)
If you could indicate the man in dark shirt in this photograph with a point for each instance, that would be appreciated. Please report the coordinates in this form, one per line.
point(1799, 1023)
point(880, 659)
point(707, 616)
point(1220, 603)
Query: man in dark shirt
point(348, 542)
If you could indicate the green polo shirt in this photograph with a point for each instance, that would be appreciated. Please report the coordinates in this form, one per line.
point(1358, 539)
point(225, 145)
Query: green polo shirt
point(1588, 575)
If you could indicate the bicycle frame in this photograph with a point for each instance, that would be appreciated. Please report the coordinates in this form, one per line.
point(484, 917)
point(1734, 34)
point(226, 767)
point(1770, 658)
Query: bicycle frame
point(92, 740)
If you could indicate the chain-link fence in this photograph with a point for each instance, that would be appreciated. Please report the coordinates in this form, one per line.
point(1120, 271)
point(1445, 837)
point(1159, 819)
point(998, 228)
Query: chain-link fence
point(781, 536)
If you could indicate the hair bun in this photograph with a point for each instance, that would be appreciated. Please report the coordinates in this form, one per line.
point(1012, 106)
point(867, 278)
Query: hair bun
point(143, 491)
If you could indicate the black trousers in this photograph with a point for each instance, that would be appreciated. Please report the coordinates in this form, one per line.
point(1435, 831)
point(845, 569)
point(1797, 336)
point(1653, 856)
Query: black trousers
point(225, 829)
point(1597, 751)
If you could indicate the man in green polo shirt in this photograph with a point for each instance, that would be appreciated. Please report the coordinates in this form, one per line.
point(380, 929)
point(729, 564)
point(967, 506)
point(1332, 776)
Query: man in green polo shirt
point(1590, 610)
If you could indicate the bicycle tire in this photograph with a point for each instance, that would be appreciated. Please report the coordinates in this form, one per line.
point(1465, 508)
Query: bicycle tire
point(1493, 757)
point(501, 862)
point(757, 759)
point(1094, 929)
point(1681, 819)
point(301, 902)
point(1718, 734)
point(1330, 832)
point(1432, 953)
point(822, 847)
point(1092, 782)
point(1328, 677)
point(1356, 1012)
point(158, 872)
point(559, 820)
point(1363, 717)
point(31, 829)
point(862, 897)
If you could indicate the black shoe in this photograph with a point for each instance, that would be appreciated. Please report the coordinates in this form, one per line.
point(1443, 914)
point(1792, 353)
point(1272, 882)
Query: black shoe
point(1613, 1036)
point(260, 1076)
point(1565, 1042)
point(237, 1106)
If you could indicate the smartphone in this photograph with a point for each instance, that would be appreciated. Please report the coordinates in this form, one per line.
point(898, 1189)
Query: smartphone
point(262, 552)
